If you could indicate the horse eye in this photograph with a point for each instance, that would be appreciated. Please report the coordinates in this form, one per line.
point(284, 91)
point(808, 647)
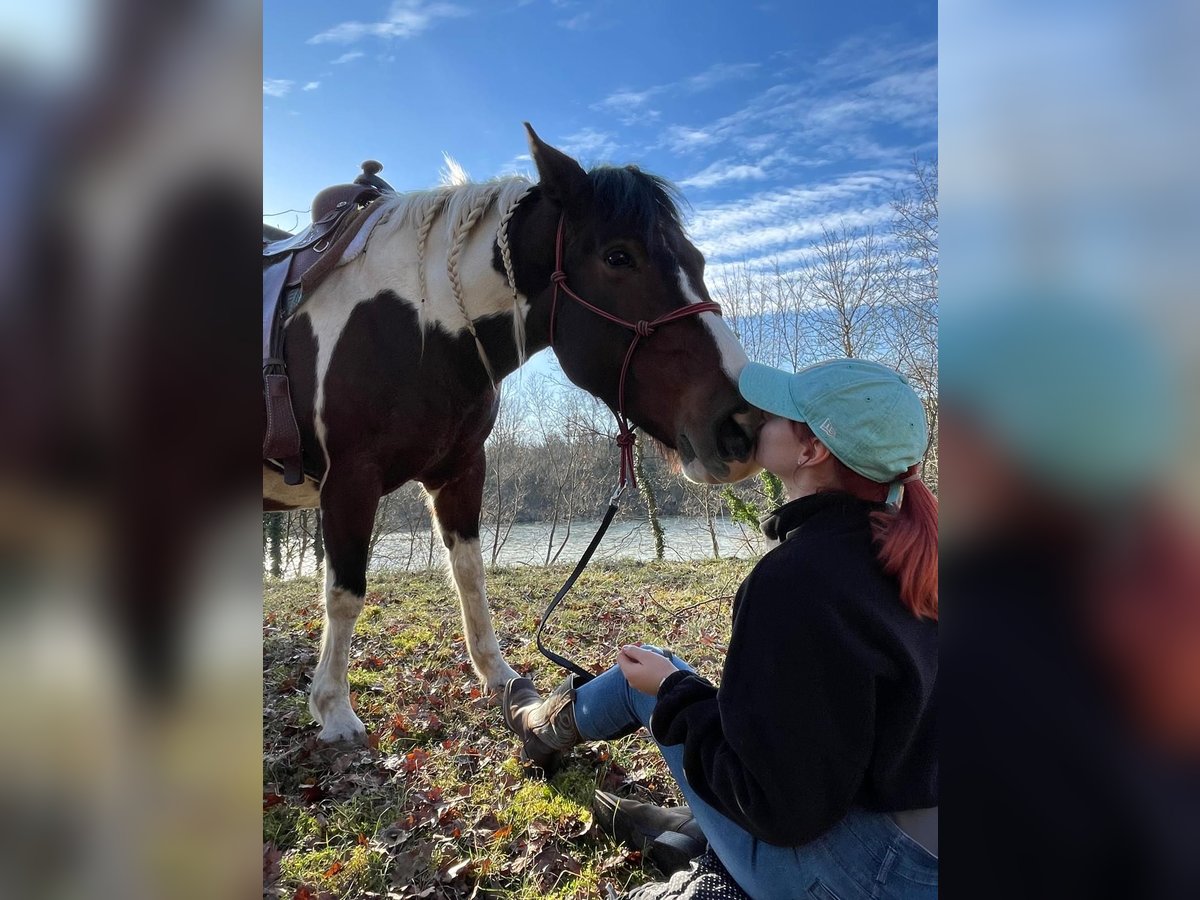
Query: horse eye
point(618, 258)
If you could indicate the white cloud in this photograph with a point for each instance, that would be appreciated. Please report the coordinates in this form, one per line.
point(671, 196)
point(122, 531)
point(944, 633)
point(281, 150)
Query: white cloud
point(577, 22)
point(349, 57)
point(277, 87)
point(773, 222)
point(723, 172)
point(311, 86)
point(405, 19)
point(719, 73)
point(683, 139)
point(589, 143)
point(631, 106)
point(840, 103)
point(521, 164)
point(867, 56)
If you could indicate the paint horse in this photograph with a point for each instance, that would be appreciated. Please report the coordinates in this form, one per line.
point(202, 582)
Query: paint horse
point(396, 357)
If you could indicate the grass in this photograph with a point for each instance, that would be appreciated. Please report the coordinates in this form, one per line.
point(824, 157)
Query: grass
point(436, 805)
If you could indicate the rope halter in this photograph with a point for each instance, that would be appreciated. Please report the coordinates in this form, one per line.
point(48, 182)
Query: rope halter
point(641, 329)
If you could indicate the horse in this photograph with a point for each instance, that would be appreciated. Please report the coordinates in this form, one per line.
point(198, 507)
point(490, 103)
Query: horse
point(397, 356)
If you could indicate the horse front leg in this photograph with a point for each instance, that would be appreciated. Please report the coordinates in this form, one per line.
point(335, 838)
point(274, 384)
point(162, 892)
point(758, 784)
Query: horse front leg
point(348, 505)
point(456, 506)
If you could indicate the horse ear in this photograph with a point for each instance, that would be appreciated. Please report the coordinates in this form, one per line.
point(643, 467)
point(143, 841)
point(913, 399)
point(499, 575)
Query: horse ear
point(562, 179)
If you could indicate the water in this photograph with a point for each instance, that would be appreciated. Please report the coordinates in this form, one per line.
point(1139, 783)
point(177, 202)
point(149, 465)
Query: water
point(525, 544)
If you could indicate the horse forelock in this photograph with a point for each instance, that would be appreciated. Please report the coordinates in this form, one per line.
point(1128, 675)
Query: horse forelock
point(630, 202)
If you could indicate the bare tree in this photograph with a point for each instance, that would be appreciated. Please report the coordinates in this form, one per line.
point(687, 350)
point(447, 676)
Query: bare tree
point(913, 294)
point(849, 290)
point(646, 488)
point(505, 473)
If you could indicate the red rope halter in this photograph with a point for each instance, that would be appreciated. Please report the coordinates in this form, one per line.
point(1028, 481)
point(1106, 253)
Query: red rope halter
point(641, 329)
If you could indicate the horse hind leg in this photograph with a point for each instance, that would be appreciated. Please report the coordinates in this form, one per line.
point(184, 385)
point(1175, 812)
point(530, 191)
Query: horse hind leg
point(348, 512)
point(456, 506)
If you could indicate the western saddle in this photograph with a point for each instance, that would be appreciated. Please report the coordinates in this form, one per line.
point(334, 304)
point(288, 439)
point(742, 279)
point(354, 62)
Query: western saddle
point(293, 265)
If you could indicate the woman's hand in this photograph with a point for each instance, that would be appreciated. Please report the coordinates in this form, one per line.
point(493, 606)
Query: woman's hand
point(644, 669)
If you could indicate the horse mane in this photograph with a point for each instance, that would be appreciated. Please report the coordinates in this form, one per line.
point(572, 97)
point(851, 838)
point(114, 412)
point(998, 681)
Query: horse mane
point(460, 205)
point(640, 202)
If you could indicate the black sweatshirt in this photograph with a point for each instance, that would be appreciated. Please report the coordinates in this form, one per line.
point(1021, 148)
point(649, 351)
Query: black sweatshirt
point(828, 694)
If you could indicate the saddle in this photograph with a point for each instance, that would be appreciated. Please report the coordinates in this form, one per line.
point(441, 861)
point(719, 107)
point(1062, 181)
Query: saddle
point(293, 265)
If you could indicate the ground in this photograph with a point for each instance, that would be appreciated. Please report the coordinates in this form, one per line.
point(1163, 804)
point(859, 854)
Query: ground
point(436, 806)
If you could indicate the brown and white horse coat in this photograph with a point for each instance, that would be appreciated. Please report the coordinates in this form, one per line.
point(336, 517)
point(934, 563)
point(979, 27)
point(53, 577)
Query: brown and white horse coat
point(395, 360)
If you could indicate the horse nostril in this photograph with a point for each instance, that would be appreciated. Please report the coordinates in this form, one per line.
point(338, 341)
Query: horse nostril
point(685, 449)
point(733, 442)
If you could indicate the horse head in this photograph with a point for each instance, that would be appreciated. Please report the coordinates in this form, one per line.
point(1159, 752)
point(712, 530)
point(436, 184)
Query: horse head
point(626, 253)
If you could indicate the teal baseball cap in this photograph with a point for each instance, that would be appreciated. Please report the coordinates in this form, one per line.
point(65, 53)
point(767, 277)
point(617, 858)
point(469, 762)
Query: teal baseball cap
point(867, 414)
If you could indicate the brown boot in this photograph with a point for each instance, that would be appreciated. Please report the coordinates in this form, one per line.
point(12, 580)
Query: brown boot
point(668, 836)
point(546, 727)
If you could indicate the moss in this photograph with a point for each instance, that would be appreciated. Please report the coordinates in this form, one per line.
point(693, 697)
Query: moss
point(345, 872)
point(364, 679)
point(412, 638)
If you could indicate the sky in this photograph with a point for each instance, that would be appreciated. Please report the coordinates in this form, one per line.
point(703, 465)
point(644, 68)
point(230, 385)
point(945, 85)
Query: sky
point(775, 119)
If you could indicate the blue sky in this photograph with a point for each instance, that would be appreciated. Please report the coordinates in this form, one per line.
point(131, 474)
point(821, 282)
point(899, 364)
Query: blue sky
point(774, 118)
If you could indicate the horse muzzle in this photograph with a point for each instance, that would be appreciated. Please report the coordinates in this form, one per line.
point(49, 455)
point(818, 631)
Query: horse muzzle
point(723, 452)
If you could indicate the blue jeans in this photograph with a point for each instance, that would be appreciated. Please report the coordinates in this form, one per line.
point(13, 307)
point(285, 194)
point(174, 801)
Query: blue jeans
point(866, 855)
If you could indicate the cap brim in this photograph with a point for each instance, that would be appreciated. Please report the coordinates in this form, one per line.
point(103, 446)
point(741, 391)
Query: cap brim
point(769, 389)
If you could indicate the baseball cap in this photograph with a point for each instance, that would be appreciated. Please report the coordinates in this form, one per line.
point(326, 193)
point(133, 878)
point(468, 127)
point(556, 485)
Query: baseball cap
point(867, 414)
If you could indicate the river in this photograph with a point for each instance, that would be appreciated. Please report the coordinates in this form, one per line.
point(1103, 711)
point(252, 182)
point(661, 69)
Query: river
point(525, 544)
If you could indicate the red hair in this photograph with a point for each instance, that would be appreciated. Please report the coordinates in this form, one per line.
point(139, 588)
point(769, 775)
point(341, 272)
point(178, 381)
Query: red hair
point(906, 541)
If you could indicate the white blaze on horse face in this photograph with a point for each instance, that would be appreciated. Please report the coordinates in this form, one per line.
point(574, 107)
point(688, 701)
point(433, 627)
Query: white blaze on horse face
point(466, 568)
point(329, 701)
point(733, 360)
point(733, 357)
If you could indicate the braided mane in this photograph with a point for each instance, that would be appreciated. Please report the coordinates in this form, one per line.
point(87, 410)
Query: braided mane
point(458, 208)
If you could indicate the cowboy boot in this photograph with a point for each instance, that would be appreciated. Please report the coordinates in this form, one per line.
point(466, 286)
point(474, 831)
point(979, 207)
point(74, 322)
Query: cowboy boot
point(668, 836)
point(546, 727)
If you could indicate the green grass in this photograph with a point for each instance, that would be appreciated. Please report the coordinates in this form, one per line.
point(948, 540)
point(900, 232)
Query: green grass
point(437, 798)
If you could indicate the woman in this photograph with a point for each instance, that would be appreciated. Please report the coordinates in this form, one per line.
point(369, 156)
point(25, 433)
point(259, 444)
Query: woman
point(812, 769)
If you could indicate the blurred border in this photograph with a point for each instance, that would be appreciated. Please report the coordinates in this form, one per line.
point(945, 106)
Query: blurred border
point(1070, 362)
point(130, 593)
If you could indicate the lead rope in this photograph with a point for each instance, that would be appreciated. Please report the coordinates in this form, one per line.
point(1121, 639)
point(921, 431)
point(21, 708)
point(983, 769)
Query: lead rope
point(625, 436)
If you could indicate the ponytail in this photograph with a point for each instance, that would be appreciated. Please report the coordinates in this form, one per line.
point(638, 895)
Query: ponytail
point(907, 542)
point(906, 539)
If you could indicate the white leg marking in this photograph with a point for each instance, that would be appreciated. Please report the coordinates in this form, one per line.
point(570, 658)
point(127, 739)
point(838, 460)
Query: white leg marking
point(733, 356)
point(466, 568)
point(329, 701)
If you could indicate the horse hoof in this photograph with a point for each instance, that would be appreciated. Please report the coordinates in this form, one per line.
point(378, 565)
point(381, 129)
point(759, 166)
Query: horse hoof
point(495, 684)
point(349, 730)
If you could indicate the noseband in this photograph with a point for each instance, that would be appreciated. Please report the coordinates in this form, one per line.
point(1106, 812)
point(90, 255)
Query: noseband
point(641, 329)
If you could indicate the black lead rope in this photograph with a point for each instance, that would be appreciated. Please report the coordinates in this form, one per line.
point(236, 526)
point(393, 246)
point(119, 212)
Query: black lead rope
point(582, 676)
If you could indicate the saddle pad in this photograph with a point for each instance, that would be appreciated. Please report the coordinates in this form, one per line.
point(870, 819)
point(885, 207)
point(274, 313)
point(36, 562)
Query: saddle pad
point(341, 252)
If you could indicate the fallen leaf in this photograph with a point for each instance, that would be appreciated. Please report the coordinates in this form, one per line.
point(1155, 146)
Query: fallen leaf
point(413, 862)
